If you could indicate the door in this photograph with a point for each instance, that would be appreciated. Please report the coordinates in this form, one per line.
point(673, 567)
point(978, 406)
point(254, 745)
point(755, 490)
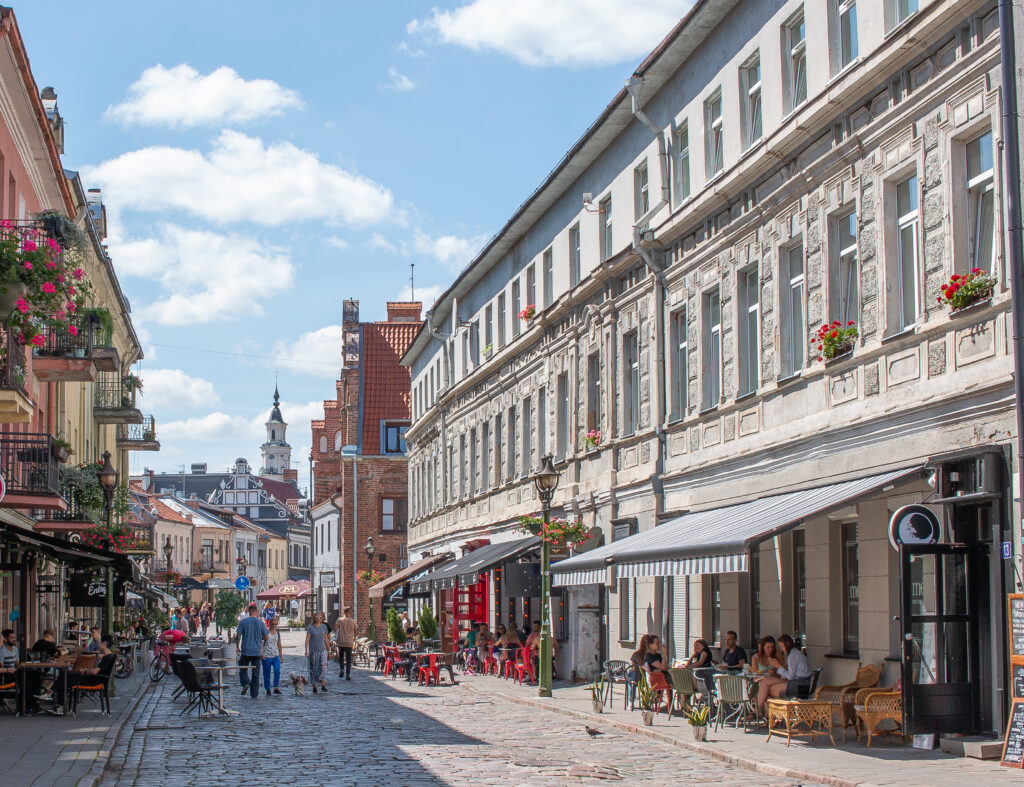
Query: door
point(941, 656)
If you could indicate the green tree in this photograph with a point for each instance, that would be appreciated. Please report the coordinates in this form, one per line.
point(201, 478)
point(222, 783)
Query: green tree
point(229, 604)
point(428, 624)
point(395, 631)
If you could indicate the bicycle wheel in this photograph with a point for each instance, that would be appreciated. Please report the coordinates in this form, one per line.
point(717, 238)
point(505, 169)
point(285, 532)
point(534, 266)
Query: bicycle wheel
point(123, 666)
point(157, 668)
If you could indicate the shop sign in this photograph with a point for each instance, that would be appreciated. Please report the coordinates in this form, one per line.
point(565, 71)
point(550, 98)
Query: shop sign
point(3, 487)
point(914, 524)
point(87, 590)
point(1013, 742)
point(327, 579)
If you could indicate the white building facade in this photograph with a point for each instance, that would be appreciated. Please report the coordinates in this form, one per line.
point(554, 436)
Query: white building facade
point(326, 558)
point(743, 190)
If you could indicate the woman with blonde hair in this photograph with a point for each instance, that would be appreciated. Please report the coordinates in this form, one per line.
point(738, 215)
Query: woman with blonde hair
point(318, 637)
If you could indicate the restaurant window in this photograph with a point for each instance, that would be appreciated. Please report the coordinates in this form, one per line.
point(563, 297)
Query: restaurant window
point(517, 307)
point(549, 278)
point(575, 257)
point(562, 392)
point(851, 589)
point(679, 373)
point(792, 327)
point(681, 171)
point(394, 514)
point(560, 614)
point(843, 268)
point(750, 294)
point(715, 608)
point(527, 436)
point(712, 367)
point(630, 384)
point(605, 216)
point(800, 584)
point(641, 191)
point(981, 203)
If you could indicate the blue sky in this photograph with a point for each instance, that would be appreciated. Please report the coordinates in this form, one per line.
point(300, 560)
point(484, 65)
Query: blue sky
point(260, 162)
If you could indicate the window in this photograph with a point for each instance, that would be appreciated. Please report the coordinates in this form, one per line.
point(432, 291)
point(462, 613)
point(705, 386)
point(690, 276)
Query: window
point(792, 327)
point(511, 442)
point(715, 143)
point(542, 422)
point(897, 11)
point(679, 373)
point(851, 589)
point(800, 583)
point(516, 307)
point(712, 367)
point(452, 464)
point(527, 436)
point(605, 215)
point(627, 587)
point(848, 49)
point(488, 327)
point(681, 172)
point(474, 343)
point(394, 438)
point(750, 83)
point(796, 60)
point(715, 608)
point(906, 253)
point(843, 274)
point(501, 320)
point(575, 264)
point(750, 295)
point(981, 202)
point(393, 514)
point(594, 392)
point(472, 462)
point(463, 487)
point(531, 286)
point(465, 352)
point(562, 392)
point(549, 278)
point(498, 478)
point(641, 193)
point(630, 383)
point(485, 456)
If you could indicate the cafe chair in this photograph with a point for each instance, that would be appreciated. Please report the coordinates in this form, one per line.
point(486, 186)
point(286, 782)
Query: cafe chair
point(685, 688)
point(659, 683)
point(704, 680)
point(200, 693)
point(731, 694)
point(97, 686)
point(807, 692)
point(524, 665)
point(429, 670)
point(9, 693)
point(875, 707)
point(616, 671)
point(842, 694)
point(446, 661)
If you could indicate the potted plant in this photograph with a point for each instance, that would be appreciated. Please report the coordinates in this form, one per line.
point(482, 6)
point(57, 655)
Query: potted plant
point(596, 690)
point(488, 350)
point(835, 339)
point(395, 631)
point(592, 439)
point(646, 700)
point(149, 436)
point(132, 382)
point(698, 718)
point(61, 449)
point(558, 532)
point(428, 624)
point(528, 313)
point(968, 290)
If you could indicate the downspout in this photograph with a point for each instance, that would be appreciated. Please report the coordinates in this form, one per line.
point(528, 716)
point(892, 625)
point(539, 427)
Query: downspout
point(443, 339)
point(633, 87)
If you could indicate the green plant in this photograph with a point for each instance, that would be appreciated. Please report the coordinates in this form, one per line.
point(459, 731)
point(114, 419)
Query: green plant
point(646, 697)
point(488, 350)
point(428, 624)
point(395, 631)
point(558, 532)
point(370, 576)
point(596, 689)
point(229, 604)
point(698, 717)
point(61, 445)
point(105, 334)
point(834, 339)
point(82, 487)
point(132, 382)
point(964, 290)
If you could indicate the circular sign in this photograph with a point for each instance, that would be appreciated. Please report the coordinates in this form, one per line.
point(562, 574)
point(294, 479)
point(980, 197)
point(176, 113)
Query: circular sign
point(914, 524)
point(242, 583)
point(3, 486)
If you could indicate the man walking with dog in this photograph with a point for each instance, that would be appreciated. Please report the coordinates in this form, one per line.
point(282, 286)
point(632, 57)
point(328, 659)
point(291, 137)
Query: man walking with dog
point(345, 636)
point(250, 636)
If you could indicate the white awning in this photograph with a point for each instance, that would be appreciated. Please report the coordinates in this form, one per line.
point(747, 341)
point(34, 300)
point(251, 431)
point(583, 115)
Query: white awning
point(716, 541)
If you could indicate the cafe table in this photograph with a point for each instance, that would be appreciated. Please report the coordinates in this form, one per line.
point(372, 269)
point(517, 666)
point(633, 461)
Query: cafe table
point(220, 710)
point(31, 666)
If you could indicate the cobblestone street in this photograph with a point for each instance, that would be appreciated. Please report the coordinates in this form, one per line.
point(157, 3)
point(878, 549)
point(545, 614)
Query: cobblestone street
point(375, 731)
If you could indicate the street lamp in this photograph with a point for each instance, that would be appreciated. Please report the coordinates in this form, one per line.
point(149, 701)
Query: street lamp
point(546, 481)
point(243, 570)
point(168, 552)
point(107, 476)
point(370, 549)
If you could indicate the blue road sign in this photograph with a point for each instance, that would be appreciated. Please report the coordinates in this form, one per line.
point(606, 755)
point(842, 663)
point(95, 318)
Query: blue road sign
point(242, 583)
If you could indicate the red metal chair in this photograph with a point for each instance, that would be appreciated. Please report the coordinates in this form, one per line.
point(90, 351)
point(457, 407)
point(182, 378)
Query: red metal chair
point(659, 683)
point(524, 665)
point(510, 667)
point(430, 670)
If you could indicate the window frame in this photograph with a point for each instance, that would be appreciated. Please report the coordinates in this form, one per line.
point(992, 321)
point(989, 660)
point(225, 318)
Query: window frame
point(792, 292)
point(714, 134)
point(630, 383)
point(753, 120)
point(980, 187)
point(681, 164)
point(749, 334)
point(850, 573)
point(604, 212)
point(399, 511)
point(847, 10)
point(547, 277)
point(711, 368)
point(795, 51)
point(910, 220)
point(517, 306)
point(399, 428)
point(641, 190)
point(575, 256)
point(531, 286)
point(679, 380)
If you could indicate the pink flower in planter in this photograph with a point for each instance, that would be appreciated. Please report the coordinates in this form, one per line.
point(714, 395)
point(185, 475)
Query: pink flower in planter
point(73, 330)
point(53, 245)
point(51, 265)
point(48, 287)
point(61, 278)
point(29, 246)
point(28, 266)
point(69, 306)
point(78, 273)
point(22, 305)
point(38, 340)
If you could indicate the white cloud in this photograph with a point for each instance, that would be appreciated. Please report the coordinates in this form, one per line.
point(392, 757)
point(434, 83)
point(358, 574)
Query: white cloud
point(316, 352)
point(399, 82)
point(173, 389)
point(425, 295)
point(204, 276)
point(379, 242)
point(451, 250)
point(405, 49)
point(556, 32)
point(181, 97)
point(210, 428)
point(241, 179)
point(338, 243)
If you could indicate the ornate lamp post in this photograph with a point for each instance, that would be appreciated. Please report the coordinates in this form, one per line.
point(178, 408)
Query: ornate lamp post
point(107, 476)
point(168, 552)
point(370, 550)
point(546, 481)
point(243, 571)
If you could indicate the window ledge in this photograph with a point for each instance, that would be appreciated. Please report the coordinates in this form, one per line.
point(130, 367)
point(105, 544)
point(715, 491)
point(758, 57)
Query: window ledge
point(707, 410)
point(897, 28)
point(784, 381)
point(892, 337)
point(843, 71)
point(843, 656)
point(744, 397)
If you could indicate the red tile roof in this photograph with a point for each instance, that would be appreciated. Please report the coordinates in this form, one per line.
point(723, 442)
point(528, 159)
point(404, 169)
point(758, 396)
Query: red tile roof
point(165, 512)
point(282, 490)
point(386, 382)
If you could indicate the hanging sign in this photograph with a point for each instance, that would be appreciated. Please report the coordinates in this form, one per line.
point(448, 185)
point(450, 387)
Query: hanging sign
point(3, 487)
point(86, 590)
point(327, 579)
point(914, 524)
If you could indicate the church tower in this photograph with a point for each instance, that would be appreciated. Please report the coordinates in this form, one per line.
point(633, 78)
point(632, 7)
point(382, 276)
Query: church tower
point(277, 454)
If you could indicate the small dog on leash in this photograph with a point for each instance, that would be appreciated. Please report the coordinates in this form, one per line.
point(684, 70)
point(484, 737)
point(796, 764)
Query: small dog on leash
point(299, 684)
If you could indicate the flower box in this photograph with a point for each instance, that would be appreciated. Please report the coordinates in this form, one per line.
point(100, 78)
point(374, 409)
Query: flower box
point(834, 340)
point(841, 354)
point(962, 292)
point(982, 300)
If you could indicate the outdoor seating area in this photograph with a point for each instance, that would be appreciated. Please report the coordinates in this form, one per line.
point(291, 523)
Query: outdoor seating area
point(201, 669)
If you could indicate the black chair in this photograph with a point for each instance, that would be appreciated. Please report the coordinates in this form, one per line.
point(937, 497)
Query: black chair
point(806, 692)
point(97, 686)
point(200, 693)
point(177, 659)
point(616, 671)
point(9, 693)
point(207, 676)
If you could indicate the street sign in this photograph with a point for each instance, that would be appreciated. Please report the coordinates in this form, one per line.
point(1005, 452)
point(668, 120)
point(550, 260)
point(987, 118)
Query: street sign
point(326, 579)
point(220, 584)
point(242, 583)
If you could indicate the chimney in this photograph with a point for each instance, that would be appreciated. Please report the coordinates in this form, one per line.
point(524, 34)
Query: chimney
point(198, 468)
point(291, 475)
point(404, 311)
point(49, 99)
point(98, 211)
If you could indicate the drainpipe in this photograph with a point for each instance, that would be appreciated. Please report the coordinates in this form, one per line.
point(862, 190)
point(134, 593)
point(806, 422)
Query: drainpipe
point(443, 339)
point(633, 87)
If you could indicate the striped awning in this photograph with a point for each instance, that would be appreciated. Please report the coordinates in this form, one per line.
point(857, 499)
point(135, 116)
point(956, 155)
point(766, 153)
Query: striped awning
point(466, 569)
point(716, 541)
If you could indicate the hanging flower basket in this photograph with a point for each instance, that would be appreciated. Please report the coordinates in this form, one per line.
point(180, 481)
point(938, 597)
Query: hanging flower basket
point(168, 576)
point(558, 532)
point(132, 382)
point(834, 340)
point(110, 540)
point(369, 576)
point(962, 292)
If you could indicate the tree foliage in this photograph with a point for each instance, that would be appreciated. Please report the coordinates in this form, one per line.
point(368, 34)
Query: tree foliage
point(229, 604)
point(395, 631)
point(428, 624)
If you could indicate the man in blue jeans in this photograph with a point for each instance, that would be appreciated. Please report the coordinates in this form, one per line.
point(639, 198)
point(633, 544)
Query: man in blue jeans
point(249, 638)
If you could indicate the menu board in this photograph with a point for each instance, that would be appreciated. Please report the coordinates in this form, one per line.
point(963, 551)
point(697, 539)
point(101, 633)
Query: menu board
point(1017, 674)
point(1017, 625)
point(1013, 747)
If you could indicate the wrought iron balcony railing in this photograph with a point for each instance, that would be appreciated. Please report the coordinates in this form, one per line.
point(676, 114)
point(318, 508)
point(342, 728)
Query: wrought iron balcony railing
point(65, 344)
point(12, 366)
point(28, 464)
point(210, 567)
point(138, 433)
point(110, 393)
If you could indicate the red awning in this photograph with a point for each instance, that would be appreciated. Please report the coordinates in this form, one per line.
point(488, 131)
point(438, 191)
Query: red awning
point(298, 589)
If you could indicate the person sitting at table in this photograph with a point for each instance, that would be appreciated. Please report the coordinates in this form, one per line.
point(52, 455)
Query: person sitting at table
point(506, 643)
point(94, 640)
point(701, 656)
point(765, 653)
point(103, 667)
point(656, 657)
point(47, 650)
point(733, 656)
point(9, 660)
point(787, 673)
point(484, 643)
point(534, 635)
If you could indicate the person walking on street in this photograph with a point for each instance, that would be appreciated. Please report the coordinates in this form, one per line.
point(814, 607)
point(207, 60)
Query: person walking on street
point(345, 636)
point(317, 636)
point(250, 636)
point(272, 657)
point(204, 618)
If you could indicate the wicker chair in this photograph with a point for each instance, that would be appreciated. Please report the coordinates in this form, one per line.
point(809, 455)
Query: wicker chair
point(874, 706)
point(867, 677)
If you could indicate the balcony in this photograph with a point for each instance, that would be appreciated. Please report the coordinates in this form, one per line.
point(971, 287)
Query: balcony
point(30, 471)
point(113, 403)
point(211, 567)
point(138, 437)
point(142, 539)
point(15, 406)
point(67, 357)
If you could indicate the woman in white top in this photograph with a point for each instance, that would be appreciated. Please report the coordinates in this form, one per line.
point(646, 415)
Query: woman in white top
point(272, 657)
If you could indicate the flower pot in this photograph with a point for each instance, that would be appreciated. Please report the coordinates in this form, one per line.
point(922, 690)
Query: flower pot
point(10, 292)
point(60, 453)
point(983, 299)
point(700, 733)
point(841, 353)
point(648, 717)
point(598, 706)
point(78, 352)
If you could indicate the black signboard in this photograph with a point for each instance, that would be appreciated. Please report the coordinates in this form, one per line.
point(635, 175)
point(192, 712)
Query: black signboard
point(1017, 671)
point(522, 580)
point(1016, 626)
point(1013, 748)
point(90, 590)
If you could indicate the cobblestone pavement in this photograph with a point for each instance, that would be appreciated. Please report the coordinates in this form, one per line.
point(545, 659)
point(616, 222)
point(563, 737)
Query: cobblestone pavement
point(375, 731)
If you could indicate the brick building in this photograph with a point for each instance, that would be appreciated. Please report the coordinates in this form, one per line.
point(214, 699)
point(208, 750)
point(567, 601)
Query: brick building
point(359, 460)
